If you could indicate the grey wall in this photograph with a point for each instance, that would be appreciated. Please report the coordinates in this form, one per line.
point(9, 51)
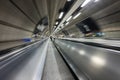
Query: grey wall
point(14, 24)
point(106, 13)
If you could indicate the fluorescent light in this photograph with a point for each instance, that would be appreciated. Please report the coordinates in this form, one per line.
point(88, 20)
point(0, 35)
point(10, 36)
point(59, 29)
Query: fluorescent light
point(61, 15)
point(85, 3)
point(69, 18)
point(56, 23)
point(76, 15)
point(67, 23)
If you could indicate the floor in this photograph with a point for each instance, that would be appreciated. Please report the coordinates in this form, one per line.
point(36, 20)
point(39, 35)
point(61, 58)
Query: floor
point(55, 68)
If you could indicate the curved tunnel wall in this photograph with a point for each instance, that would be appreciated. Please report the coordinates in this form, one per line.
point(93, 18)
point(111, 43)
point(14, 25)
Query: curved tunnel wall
point(18, 19)
point(14, 24)
point(105, 13)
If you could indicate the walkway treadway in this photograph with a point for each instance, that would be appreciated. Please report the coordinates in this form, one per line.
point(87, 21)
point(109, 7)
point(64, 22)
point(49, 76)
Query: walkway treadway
point(55, 68)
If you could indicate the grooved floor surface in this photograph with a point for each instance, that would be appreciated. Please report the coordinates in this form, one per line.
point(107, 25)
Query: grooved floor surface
point(55, 68)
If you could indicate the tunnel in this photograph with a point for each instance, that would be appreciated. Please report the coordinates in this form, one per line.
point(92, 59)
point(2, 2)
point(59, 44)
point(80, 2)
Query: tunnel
point(59, 39)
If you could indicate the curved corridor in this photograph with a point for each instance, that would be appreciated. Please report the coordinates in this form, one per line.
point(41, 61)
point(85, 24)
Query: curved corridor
point(59, 40)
